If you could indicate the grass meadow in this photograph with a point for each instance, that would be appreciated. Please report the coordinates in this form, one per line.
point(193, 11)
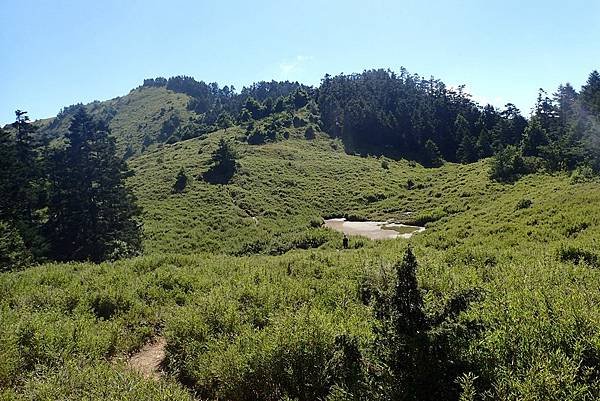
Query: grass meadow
point(253, 295)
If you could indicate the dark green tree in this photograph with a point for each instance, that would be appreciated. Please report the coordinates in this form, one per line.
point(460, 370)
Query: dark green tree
point(92, 215)
point(484, 144)
point(14, 254)
point(402, 337)
point(300, 98)
point(224, 164)
point(224, 121)
point(534, 138)
point(254, 107)
point(566, 100)
point(419, 351)
point(433, 157)
point(22, 184)
point(508, 164)
point(180, 182)
point(590, 93)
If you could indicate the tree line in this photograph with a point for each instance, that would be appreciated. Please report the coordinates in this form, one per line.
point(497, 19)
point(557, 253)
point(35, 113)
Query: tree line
point(403, 115)
point(67, 201)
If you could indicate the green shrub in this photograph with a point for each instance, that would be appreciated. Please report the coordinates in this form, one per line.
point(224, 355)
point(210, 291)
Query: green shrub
point(316, 222)
point(578, 255)
point(422, 218)
point(523, 204)
point(13, 253)
point(582, 174)
point(109, 303)
point(508, 165)
point(180, 181)
point(576, 228)
point(309, 133)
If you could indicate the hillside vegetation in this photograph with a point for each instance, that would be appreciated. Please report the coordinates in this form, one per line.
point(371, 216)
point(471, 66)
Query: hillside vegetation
point(136, 120)
point(265, 327)
point(497, 299)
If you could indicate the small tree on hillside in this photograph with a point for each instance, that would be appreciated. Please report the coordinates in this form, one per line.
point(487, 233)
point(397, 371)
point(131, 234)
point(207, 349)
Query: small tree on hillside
point(224, 164)
point(418, 349)
point(534, 138)
point(180, 182)
point(508, 165)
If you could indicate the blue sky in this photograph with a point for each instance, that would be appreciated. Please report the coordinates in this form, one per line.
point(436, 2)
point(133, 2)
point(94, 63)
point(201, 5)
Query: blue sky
point(56, 53)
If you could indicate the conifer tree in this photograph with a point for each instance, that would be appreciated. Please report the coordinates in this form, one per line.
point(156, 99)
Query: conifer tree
point(590, 93)
point(21, 183)
point(534, 138)
point(224, 164)
point(466, 152)
point(91, 214)
point(433, 158)
point(180, 181)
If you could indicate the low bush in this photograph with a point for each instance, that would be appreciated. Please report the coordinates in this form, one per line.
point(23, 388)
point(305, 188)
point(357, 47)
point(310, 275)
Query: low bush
point(578, 255)
point(523, 204)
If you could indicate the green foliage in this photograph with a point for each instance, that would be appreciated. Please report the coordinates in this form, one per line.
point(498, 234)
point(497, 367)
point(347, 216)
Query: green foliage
point(309, 133)
point(582, 174)
point(508, 165)
point(23, 193)
point(433, 157)
point(534, 138)
point(577, 255)
point(503, 305)
point(180, 181)
point(14, 255)
point(91, 213)
point(224, 164)
point(424, 217)
point(523, 204)
point(416, 348)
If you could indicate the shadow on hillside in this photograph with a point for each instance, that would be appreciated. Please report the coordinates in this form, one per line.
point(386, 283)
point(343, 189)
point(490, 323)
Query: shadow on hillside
point(389, 151)
point(217, 176)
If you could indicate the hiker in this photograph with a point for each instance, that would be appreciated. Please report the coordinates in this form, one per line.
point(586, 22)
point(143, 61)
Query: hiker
point(345, 242)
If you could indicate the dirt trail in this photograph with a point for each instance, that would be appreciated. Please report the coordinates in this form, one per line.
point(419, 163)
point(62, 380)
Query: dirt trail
point(147, 361)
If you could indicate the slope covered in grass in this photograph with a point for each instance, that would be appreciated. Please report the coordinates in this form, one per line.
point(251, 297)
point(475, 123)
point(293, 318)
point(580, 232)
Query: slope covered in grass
point(282, 189)
point(520, 260)
point(269, 325)
point(135, 120)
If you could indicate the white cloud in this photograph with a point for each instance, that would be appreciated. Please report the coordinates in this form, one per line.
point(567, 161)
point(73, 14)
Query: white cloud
point(290, 67)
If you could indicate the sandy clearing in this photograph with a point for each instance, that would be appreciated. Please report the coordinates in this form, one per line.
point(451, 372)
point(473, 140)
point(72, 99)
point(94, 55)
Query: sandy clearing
point(372, 229)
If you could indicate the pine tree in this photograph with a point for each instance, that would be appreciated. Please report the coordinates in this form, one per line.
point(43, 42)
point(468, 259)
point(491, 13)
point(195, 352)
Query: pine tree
point(224, 121)
point(91, 214)
point(7, 163)
point(21, 183)
point(590, 93)
point(484, 144)
point(180, 181)
point(407, 302)
point(433, 158)
point(534, 137)
point(24, 170)
point(402, 338)
point(224, 164)
point(466, 152)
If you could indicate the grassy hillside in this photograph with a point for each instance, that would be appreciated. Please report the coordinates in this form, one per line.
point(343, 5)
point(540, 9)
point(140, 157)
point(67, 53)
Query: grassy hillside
point(282, 189)
point(268, 322)
point(134, 119)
